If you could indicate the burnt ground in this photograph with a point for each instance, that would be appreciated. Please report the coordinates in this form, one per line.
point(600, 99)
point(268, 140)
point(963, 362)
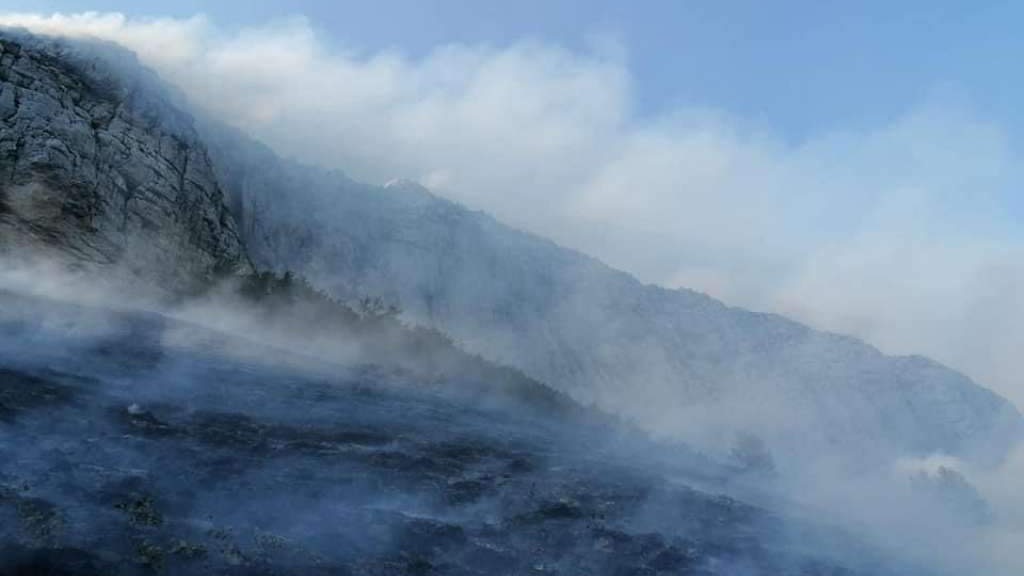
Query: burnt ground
point(123, 454)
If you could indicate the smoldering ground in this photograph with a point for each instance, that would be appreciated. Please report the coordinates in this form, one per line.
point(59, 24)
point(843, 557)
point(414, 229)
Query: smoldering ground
point(131, 448)
point(168, 405)
point(916, 244)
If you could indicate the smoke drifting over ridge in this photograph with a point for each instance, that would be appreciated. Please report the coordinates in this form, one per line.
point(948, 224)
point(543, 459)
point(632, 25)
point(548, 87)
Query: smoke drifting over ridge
point(210, 349)
point(926, 529)
point(899, 234)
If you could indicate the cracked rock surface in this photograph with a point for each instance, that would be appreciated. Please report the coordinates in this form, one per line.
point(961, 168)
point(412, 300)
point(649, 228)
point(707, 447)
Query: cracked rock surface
point(98, 167)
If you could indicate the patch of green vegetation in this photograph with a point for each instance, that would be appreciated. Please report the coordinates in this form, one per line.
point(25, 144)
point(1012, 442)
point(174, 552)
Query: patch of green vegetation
point(141, 511)
point(270, 542)
point(20, 391)
point(234, 556)
point(228, 548)
point(291, 303)
point(188, 550)
point(219, 534)
point(150, 555)
point(419, 565)
point(40, 520)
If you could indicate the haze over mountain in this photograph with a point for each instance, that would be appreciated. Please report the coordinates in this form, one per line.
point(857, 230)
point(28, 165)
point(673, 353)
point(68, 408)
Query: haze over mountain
point(675, 361)
point(917, 208)
point(105, 171)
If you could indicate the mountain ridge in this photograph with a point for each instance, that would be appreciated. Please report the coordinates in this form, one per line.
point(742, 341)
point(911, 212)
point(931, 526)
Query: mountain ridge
point(678, 362)
point(269, 415)
point(557, 314)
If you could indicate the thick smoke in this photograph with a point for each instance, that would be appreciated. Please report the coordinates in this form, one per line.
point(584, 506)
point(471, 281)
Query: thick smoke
point(893, 234)
point(936, 514)
point(898, 234)
point(158, 432)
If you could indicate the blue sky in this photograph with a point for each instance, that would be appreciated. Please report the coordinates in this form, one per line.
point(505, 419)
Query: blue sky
point(796, 68)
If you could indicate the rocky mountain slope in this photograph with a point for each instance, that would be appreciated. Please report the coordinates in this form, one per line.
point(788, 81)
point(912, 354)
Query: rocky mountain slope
point(675, 361)
point(150, 446)
point(140, 442)
point(96, 166)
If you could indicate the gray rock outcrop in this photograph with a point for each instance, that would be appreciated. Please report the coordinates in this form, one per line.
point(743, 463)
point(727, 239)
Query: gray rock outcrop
point(97, 167)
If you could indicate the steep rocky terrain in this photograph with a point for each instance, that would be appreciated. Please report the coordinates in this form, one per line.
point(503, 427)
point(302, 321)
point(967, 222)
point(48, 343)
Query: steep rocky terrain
point(676, 361)
point(136, 444)
point(139, 442)
point(96, 166)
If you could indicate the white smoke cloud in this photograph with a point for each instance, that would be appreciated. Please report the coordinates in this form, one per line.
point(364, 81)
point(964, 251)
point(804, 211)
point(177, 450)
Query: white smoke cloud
point(897, 234)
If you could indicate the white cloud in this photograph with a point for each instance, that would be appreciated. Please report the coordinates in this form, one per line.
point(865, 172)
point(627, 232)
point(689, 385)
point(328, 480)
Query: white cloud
point(897, 234)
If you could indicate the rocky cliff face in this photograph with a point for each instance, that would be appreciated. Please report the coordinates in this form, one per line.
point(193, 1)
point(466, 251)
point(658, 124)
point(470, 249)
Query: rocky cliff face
point(96, 166)
point(216, 455)
point(675, 361)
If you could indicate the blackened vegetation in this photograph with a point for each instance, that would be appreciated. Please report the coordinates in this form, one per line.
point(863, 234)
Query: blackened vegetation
point(21, 392)
point(140, 510)
point(222, 467)
point(137, 346)
point(290, 303)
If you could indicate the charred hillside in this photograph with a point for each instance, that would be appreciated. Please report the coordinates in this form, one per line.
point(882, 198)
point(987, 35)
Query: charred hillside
point(368, 380)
